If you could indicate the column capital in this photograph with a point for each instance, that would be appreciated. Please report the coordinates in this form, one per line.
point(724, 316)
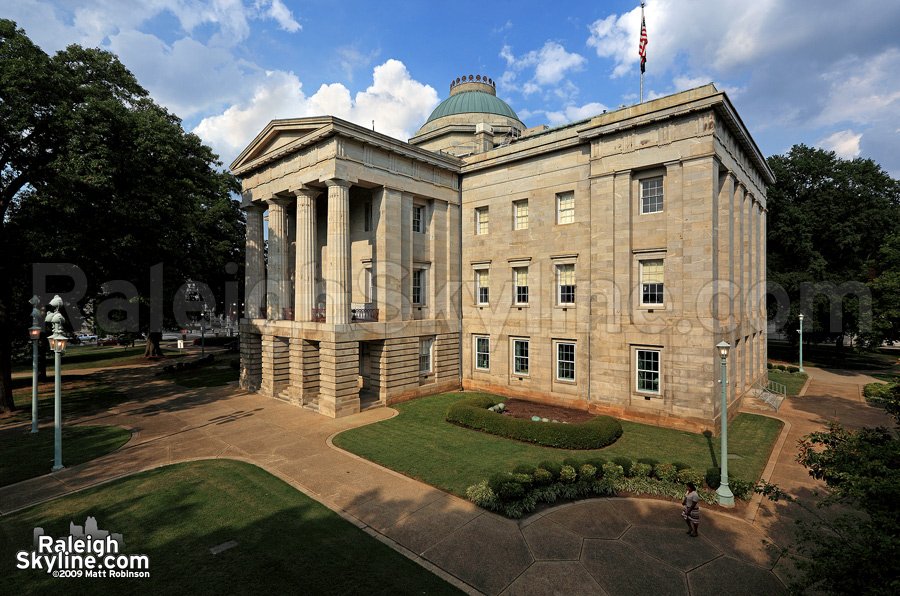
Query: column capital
point(305, 191)
point(280, 201)
point(254, 207)
point(338, 182)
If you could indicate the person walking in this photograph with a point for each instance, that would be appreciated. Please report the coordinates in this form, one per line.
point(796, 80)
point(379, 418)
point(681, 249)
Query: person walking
point(691, 511)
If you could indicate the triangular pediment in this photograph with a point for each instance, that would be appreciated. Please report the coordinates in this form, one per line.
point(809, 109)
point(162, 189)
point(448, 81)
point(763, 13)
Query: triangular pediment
point(277, 135)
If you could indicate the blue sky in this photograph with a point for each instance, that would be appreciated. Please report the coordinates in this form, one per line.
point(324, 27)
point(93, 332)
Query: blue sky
point(820, 72)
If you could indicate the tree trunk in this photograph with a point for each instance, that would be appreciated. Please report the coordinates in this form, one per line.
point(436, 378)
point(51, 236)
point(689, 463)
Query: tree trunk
point(6, 398)
point(153, 350)
point(839, 346)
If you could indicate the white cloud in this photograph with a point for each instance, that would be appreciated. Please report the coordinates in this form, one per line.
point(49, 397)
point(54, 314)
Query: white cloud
point(395, 101)
point(550, 65)
point(284, 16)
point(351, 59)
point(188, 77)
point(844, 143)
point(573, 113)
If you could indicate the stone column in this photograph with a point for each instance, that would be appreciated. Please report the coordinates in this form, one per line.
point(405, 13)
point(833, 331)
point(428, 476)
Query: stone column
point(255, 270)
point(337, 272)
point(305, 272)
point(388, 270)
point(278, 281)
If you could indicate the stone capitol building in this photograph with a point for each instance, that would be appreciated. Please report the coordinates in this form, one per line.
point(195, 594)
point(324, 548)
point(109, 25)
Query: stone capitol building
point(593, 265)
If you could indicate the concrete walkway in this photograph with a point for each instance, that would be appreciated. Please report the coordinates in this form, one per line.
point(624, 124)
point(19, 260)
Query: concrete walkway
point(600, 546)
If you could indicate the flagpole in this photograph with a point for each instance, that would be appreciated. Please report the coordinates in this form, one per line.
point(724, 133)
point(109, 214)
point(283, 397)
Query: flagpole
point(642, 63)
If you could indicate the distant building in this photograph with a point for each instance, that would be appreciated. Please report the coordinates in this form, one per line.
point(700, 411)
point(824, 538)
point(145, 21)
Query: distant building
point(593, 265)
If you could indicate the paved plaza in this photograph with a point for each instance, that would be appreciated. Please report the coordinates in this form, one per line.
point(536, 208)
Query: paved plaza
point(598, 546)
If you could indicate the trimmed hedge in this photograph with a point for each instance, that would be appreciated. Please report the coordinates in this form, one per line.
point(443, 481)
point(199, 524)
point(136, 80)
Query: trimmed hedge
point(594, 434)
point(517, 493)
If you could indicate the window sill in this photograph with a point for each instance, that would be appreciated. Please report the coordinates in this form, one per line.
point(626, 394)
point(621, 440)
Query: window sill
point(651, 307)
point(525, 305)
point(566, 382)
point(564, 306)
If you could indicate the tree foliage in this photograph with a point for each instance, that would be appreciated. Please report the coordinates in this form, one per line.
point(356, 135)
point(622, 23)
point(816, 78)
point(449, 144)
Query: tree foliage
point(828, 221)
point(855, 549)
point(96, 174)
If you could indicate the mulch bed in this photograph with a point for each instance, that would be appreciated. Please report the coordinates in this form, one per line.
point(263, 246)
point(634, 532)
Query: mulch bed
point(520, 408)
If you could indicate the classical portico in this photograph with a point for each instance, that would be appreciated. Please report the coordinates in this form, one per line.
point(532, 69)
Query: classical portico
point(329, 320)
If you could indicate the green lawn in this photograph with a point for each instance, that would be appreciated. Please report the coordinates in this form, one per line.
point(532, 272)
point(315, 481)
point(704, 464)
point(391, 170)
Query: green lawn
point(826, 356)
point(287, 543)
point(27, 455)
point(793, 382)
point(205, 376)
point(78, 357)
point(80, 394)
point(421, 444)
point(889, 377)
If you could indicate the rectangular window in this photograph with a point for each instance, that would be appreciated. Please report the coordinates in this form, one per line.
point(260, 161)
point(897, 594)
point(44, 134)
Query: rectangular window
point(370, 289)
point(520, 278)
point(565, 361)
point(565, 277)
point(520, 356)
point(482, 220)
point(648, 371)
point(652, 195)
point(482, 286)
point(368, 217)
point(425, 347)
point(483, 353)
point(565, 207)
point(418, 223)
point(418, 286)
point(652, 282)
point(520, 215)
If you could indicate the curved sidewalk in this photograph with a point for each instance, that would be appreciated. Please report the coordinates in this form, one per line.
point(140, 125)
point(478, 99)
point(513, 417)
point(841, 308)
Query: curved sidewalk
point(601, 546)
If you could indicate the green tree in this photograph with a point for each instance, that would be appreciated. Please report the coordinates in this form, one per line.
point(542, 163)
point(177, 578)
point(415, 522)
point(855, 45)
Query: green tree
point(853, 543)
point(828, 219)
point(94, 173)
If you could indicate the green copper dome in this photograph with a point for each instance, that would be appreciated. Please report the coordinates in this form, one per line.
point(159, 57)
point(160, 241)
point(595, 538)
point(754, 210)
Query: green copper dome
point(472, 102)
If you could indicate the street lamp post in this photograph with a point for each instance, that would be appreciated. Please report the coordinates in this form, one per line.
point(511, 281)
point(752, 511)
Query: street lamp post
point(726, 497)
point(34, 332)
point(58, 345)
point(203, 335)
point(801, 342)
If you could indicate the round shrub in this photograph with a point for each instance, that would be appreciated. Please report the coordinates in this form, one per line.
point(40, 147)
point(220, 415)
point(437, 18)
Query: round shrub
point(640, 470)
point(690, 475)
point(781, 367)
point(713, 477)
point(587, 473)
point(524, 469)
point(769, 365)
point(666, 472)
point(597, 462)
point(567, 474)
point(680, 465)
point(526, 480)
point(742, 489)
point(511, 491)
point(498, 479)
point(553, 467)
point(793, 369)
point(625, 463)
point(572, 461)
point(542, 477)
point(612, 471)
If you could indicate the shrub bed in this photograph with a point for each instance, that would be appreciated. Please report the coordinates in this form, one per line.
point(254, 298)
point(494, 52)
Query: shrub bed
point(879, 391)
point(593, 434)
point(514, 494)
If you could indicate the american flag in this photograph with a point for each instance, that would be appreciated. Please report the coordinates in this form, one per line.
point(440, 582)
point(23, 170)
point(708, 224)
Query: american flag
point(642, 48)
